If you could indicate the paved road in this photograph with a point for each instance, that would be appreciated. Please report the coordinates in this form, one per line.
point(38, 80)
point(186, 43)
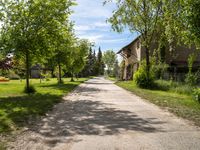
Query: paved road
point(99, 115)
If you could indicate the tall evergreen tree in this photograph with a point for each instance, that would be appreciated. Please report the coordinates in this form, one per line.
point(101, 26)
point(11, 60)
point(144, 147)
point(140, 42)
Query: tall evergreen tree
point(94, 64)
point(100, 64)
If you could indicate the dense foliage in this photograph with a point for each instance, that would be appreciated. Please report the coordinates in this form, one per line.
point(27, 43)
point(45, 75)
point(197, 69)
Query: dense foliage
point(110, 60)
point(94, 64)
point(142, 79)
point(168, 22)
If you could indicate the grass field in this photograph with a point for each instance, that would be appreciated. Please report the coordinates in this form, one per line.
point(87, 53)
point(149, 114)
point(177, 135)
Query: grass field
point(178, 100)
point(16, 108)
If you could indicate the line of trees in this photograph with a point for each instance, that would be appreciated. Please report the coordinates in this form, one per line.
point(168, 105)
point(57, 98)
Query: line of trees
point(40, 31)
point(94, 64)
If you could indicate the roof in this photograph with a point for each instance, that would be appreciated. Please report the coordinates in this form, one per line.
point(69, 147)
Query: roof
point(128, 45)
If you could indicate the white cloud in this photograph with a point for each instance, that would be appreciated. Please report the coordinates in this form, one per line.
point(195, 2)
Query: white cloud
point(82, 28)
point(101, 24)
point(112, 40)
point(91, 9)
point(92, 37)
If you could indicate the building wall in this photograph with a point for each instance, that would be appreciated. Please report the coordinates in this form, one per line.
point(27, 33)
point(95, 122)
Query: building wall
point(133, 60)
point(35, 73)
point(180, 54)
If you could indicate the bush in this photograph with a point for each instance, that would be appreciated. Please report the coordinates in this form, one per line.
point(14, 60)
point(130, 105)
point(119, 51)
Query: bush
point(192, 78)
point(13, 75)
point(47, 76)
point(29, 90)
point(141, 79)
point(196, 94)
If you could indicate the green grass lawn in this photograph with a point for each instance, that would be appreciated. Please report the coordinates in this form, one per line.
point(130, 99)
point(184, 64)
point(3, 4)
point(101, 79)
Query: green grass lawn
point(16, 108)
point(178, 102)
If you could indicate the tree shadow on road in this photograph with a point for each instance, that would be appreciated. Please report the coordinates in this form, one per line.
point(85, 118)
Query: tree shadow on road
point(85, 117)
point(98, 83)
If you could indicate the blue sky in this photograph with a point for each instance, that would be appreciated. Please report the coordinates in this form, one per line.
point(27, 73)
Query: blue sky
point(90, 23)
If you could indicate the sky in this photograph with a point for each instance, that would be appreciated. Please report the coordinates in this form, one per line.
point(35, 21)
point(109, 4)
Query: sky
point(90, 23)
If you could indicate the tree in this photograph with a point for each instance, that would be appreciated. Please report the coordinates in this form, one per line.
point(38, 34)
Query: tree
point(139, 16)
point(181, 20)
point(100, 64)
point(122, 68)
point(78, 57)
point(90, 66)
point(63, 47)
point(30, 28)
point(193, 19)
point(5, 63)
point(109, 58)
point(94, 64)
point(116, 69)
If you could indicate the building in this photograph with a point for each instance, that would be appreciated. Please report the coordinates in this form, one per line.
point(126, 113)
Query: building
point(134, 53)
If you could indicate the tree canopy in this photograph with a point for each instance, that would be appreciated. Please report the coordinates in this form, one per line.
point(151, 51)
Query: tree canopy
point(41, 31)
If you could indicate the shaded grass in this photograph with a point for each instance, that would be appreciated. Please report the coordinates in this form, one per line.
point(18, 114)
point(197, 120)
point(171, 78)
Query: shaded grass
point(179, 102)
point(17, 108)
point(2, 147)
point(176, 87)
point(111, 78)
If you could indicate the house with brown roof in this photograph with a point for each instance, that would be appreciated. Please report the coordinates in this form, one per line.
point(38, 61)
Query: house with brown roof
point(134, 53)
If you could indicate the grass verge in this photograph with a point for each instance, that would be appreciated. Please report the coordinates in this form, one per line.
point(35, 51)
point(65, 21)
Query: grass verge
point(111, 78)
point(17, 108)
point(177, 102)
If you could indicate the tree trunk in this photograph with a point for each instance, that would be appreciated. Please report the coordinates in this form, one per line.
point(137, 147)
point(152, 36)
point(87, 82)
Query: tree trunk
point(40, 77)
point(52, 73)
point(59, 74)
point(147, 62)
point(27, 72)
point(72, 78)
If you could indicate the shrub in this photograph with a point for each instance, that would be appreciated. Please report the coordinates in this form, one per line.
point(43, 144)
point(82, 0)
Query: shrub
point(196, 94)
point(13, 75)
point(29, 90)
point(159, 69)
point(192, 78)
point(141, 79)
point(47, 76)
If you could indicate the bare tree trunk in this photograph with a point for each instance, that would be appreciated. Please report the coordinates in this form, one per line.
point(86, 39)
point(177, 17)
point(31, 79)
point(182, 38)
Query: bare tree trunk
point(72, 78)
point(147, 62)
point(59, 74)
point(52, 73)
point(27, 72)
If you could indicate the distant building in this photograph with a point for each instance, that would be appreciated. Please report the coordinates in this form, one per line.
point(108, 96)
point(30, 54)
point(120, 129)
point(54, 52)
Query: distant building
point(134, 53)
point(35, 71)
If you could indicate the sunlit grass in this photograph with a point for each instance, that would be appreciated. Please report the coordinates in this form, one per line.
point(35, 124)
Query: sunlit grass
point(16, 107)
